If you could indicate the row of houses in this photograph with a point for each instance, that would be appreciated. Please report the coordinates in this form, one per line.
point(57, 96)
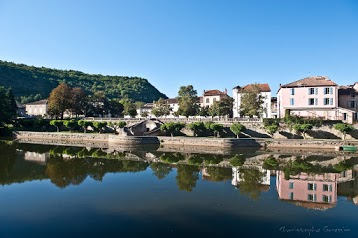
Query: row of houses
point(317, 97)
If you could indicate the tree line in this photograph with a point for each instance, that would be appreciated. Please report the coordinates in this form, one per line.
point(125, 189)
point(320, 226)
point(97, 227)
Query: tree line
point(42, 81)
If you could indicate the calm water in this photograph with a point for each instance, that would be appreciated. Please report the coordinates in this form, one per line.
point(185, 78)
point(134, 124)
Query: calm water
point(69, 192)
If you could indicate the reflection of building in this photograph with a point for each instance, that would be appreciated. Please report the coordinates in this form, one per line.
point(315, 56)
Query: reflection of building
point(36, 157)
point(316, 191)
point(348, 184)
point(238, 177)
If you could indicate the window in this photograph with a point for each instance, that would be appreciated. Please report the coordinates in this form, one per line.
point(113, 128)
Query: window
point(291, 195)
point(353, 94)
point(327, 187)
point(311, 91)
point(326, 198)
point(292, 101)
point(291, 185)
point(356, 116)
point(312, 197)
point(325, 101)
point(312, 101)
point(328, 90)
point(207, 100)
point(312, 186)
point(345, 116)
point(214, 99)
point(352, 104)
point(292, 90)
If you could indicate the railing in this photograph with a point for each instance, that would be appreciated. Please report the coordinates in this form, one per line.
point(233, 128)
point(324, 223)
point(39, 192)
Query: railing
point(177, 119)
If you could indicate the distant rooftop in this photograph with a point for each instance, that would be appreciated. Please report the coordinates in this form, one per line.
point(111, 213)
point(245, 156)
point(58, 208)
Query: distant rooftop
point(264, 87)
point(214, 92)
point(311, 82)
point(40, 102)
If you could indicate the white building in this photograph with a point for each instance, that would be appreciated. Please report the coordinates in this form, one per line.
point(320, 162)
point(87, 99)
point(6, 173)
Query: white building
point(38, 108)
point(265, 91)
point(237, 177)
point(211, 96)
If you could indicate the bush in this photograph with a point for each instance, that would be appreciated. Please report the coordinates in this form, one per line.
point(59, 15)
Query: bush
point(237, 160)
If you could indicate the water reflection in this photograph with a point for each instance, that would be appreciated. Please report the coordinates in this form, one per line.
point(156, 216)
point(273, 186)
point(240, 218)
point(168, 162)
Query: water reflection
point(312, 181)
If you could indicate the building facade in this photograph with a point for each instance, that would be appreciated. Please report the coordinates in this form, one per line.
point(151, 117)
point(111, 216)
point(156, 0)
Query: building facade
point(265, 92)
point(38, 108)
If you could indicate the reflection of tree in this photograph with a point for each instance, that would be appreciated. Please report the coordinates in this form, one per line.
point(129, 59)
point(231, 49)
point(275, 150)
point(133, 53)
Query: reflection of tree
point(7, 160)
point(219, 174)
point(196, 159)
point(213, 159)
point(160, 170)
point(187, 175)
point(74, 171)
point(251, 179)
point(172, 157)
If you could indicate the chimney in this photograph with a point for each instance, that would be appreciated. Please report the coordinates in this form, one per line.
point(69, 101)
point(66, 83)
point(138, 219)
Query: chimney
point(225, 91)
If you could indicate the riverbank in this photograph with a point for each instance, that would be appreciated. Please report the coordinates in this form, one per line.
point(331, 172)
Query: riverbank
point(111, 140)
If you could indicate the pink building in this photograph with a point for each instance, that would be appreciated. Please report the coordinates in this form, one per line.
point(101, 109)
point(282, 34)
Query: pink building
point(320, 190)
point(312, 97)
point(348, 98)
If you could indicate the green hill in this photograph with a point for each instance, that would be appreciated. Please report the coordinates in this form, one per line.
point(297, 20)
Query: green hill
point(28, 81)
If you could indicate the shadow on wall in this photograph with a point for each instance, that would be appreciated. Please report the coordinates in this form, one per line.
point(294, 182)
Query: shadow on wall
point(256, 134)
point(289, 135)
point(319, 134)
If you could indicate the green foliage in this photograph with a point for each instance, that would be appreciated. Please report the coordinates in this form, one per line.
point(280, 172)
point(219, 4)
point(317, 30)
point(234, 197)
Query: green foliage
point(195, 159)
point(251, 180)
point(160, 170)
point(171, 157)
point(100, 125)
point(161, 108)
point(84, 124)
point(218, 174)
point(271, 129)
point(129, 107)
point(237, 128)
point(196, 127)
point(342, 166)
point(188, 101)
point(70, 124)
point(213, 159)
point(204, 111)
point(222, 107)
point(7, 106)
point(237, 160)
point(302, 128)
point(216, 128)
point(270, 163)
point(344, 128)
point(43, 80)
point(172, 127)
point(252, 102)
point(186, 178)
point(57, 124)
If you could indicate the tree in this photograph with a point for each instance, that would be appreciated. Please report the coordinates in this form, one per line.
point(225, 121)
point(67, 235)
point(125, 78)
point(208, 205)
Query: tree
point(115, 108)
point(343, 128)
point(252, 102)
point(302, 128)
point(99, 125)
point(237, 128)
point(78, 101)
point(237, 160)
point(271, 129)
point(7, 106)
point(204, 111)
point(161, 108)
point(98, 104)
point(172, 127)
point(187, 100)
point(70, 124)
point(251, 178)
point(84, 124)
point(222, 107)
point(196, 127)
point(129, 107)
point(57, 124)
point(216, 128)
point(59, 100)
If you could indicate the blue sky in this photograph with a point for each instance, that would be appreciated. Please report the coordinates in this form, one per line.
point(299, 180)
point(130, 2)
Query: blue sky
point(211, 44)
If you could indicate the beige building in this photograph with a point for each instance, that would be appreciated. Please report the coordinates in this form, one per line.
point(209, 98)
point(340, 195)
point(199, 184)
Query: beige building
point(210, 96)
point(38, 108)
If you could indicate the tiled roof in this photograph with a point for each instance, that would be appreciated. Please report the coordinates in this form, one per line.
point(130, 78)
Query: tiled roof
point(172, 100)
point(40, 102)
point(263, 87)
point(346, 90)
point(311, 82)
point(213, 92)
